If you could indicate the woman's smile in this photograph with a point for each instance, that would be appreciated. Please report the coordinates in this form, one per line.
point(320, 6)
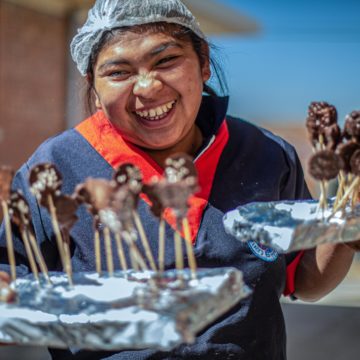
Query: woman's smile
point(158, 116)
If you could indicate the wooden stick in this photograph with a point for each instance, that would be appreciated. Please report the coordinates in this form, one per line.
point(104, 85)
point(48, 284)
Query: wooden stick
point(139, 262)
point(324, 195)
point(68, 267)
point(341, 185)
point(56, 227)
point(39, 257)
point(179, 258)
point(29, 253)
point(9, 240)
point(144, 240)
point(108, 251)
point(121, 253)
point(189, 247)
point(348, 192)
point(162, 244)
point(97, 251)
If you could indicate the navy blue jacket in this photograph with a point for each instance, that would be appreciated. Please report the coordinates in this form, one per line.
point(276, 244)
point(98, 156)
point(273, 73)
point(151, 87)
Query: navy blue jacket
point(254, 165)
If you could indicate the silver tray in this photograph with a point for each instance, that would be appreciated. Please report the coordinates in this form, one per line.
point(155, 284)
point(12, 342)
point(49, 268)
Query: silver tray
point(289, 226)
point(129, 310)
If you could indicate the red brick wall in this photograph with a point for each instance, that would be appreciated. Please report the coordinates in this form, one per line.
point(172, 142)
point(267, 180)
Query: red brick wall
point(33, 50)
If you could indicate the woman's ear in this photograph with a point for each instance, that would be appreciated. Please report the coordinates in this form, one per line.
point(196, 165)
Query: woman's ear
point(97, 100)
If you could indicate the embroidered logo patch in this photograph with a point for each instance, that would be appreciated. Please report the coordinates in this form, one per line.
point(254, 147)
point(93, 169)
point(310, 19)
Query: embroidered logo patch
point(262, 252)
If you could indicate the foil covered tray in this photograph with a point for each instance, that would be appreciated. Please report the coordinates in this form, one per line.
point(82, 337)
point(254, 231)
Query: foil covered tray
point(288, 226)
point(129, 310)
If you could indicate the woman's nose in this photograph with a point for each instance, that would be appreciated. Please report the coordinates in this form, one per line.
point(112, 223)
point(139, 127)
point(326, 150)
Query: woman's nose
point(146, 86)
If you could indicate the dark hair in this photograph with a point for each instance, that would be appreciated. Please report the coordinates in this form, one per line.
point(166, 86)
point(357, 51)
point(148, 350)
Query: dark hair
point(201, 47)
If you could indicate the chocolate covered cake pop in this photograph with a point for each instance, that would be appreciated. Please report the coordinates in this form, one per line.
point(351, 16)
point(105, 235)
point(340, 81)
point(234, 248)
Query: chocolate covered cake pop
point(45, 180)
point(325, 165)
point(345, 152)
point(130, 176)
point(320, 116)
point(352, 126)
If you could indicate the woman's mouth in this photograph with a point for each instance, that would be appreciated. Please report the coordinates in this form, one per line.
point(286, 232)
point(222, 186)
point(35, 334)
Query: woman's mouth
point(155, 114)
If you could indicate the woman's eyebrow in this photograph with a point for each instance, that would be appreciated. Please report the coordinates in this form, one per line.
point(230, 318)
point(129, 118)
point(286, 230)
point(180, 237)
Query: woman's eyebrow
point(163, 47)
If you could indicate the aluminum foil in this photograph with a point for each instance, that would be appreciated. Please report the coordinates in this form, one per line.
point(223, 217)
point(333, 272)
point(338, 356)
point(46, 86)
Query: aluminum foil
point(129, 310)
point(292, 225)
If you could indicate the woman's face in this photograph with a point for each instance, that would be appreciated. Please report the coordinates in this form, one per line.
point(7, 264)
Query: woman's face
point(150, 87)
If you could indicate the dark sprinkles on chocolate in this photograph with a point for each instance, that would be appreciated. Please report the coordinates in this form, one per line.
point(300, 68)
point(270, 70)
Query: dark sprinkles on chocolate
point(324, 165)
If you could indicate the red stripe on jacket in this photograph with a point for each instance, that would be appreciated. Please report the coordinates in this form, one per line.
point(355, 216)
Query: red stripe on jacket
point(108, 142)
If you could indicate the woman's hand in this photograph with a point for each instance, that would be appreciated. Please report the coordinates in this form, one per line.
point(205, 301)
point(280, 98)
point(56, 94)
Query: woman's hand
point(321, 269)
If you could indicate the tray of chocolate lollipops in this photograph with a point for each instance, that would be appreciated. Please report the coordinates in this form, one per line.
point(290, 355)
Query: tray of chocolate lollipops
point(140, 306)
point(288, 226)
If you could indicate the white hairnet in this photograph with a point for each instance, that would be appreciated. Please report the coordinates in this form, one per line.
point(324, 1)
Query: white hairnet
point(109, 14)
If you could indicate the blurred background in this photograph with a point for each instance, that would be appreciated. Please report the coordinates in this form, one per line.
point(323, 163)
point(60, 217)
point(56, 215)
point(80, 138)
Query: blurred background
point(278, 56)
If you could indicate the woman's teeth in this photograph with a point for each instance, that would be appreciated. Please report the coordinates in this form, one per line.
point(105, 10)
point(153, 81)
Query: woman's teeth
point(156, 113)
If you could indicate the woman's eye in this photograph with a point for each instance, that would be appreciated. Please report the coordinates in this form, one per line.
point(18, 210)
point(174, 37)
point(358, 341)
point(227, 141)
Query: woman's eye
point(118, 74)
point(166, 60)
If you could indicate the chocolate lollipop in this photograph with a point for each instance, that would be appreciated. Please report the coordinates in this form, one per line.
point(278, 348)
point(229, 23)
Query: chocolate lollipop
point(180, 170)
point(45, 183)
point(21, 216)
point(130, 175)
point(119, 217)
point(320, 116)
point(353, 188)
point(352, 126)
point(324, 166)
point(6, 176)
point(96, 193)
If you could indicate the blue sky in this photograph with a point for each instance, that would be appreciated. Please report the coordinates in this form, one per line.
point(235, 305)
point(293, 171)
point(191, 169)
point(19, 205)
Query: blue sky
point(306, 51)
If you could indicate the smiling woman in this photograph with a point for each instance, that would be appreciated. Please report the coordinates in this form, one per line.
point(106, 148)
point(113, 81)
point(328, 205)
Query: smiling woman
point(150, 87)
point(147, 64)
